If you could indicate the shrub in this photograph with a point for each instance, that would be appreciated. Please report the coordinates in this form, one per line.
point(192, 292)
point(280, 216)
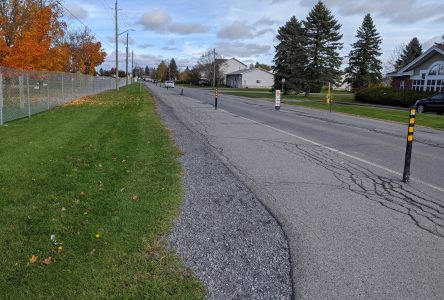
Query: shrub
point(390, 96)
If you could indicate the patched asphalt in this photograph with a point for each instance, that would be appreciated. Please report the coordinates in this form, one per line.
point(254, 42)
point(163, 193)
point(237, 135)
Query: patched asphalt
point(224, 233)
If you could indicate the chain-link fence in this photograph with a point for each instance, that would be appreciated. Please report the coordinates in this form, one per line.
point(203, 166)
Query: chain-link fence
point(24, 93)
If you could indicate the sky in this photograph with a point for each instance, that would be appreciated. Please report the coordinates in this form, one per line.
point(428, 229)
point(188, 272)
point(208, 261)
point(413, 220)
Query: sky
point(245, 29)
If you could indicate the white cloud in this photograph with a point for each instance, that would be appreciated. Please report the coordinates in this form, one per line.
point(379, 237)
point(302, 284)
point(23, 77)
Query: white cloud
point(77, 11)
point(237, 30)
point(183, 28)
point(265, 21)
point(155, 20)
point(243, 50)
point(398, 12)
point(160, 21)
point(145, 46)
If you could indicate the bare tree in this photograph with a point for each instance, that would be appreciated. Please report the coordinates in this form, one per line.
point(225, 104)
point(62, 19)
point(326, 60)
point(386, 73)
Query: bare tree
point(206, 65)
point(391, 63)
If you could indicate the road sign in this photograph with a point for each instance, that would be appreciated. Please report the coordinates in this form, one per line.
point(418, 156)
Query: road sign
point(277, 103)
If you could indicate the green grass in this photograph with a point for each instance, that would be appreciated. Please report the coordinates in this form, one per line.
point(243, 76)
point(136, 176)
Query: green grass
point(102, 176)
point(340, 96)
point(401, 116)
point(317, 101)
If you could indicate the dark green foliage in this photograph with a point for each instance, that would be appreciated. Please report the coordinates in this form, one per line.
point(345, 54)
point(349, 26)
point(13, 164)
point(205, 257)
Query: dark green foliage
point(390, 96)
point(290, 58)
point(263, 66)
point(174, 72)
point(147, 71)
point(410, 53)
point(364, 69)
point(323, 45)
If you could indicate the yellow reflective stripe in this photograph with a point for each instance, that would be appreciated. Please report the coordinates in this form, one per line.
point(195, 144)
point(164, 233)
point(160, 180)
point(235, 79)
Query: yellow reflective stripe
point(411, 129)
point(410, 138)
point(412, 120)
point(413, 112)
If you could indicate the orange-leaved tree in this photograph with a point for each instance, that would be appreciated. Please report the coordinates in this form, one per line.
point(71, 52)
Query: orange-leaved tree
point(85, 52)
point(31, 34)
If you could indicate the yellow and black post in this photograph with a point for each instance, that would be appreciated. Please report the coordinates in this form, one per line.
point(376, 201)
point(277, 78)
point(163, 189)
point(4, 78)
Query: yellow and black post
point(408, 152)
point(215, 98)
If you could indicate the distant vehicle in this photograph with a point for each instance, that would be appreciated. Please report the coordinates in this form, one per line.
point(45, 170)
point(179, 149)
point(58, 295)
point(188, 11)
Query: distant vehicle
point(203, 82)
point(434, 103)
point(169, 84)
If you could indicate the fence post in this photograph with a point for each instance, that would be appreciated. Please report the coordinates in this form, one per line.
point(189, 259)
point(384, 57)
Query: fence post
point(22, 92)
point(1, 99)
point(47, 88)
point(28, 96)
point(63, 91)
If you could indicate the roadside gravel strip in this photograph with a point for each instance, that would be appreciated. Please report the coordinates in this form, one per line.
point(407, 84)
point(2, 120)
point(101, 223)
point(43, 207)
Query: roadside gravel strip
point(224, 234)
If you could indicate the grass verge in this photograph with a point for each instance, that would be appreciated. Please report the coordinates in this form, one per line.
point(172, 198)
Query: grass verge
point(316, 100)
point(101, 176)
point(401, 116)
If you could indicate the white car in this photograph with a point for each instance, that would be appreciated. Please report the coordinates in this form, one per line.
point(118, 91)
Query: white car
point(169, 84)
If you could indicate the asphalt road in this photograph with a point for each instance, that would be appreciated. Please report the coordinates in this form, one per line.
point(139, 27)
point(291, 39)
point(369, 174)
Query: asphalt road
point(334, 183)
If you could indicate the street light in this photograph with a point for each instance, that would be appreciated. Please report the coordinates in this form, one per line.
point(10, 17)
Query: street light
point(126, 31)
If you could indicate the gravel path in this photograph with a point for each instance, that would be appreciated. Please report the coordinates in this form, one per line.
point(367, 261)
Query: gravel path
point(224, 234)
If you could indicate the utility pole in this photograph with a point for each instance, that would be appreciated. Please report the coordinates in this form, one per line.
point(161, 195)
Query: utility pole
point(117, 50)
point(126, 58)
point(214, 70)
point(132, 66)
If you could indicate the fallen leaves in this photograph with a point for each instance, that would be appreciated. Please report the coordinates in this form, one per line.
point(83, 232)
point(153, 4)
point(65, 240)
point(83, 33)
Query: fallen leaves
point(136, 198)
point(33, 259)
point(47, 261)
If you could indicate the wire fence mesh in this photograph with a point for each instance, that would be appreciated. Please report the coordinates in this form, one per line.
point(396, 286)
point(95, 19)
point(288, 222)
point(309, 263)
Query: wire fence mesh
point(24, 93)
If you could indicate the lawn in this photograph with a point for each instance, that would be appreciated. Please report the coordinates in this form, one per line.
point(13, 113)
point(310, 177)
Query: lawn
point(317, 101)
point(87, 192)
point(340, 96)
point(401, 116)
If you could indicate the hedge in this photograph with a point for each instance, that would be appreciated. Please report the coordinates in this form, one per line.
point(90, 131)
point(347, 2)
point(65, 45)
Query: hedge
point(390, 96)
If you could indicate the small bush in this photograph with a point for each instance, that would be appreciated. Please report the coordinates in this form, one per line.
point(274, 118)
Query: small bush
point(390, 96)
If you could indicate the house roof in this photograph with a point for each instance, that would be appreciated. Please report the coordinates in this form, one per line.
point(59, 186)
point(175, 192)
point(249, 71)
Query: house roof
point(406, 70)
point(234, 60)
point(243, 71)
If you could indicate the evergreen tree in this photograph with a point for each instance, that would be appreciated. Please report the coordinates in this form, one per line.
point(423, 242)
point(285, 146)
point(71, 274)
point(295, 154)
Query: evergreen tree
point(323, 45)
point(174, 72)
point(410, 53)
point(290, 58)
point(147, 71)
point(364, 67)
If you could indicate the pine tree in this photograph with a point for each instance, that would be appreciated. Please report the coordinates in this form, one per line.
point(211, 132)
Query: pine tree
point(174, 72)
point(365, 67)
point(147, 71)
point(290, 57)
point(323, 45)
point(410, 53)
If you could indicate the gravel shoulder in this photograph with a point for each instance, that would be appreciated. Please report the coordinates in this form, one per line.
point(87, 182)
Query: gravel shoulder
point(224, 234)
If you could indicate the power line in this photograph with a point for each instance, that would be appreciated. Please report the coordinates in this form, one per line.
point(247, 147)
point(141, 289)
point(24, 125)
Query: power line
point(74, 16)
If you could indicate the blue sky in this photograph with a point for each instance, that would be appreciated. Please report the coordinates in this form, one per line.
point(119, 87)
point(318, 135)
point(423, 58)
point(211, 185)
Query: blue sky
point(243, 29)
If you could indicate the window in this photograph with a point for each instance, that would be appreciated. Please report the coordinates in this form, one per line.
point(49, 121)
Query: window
point(258, 81)
point(437, 69)
point(402, 84)
point(438, 97)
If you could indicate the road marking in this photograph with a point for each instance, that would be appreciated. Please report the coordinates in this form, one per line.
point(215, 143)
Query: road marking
point(344, 154)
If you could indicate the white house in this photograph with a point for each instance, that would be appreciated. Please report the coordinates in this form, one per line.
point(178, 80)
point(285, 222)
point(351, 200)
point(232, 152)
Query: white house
point(250, 78)
point(425, 73)
point(227, 66)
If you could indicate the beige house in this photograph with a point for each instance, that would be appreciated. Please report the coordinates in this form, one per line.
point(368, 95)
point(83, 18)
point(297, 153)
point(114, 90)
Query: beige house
point(227, 66)
point(425, 73)
point(250, 78)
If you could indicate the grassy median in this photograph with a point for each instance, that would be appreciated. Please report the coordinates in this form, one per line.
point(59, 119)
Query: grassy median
point(317, 101)
point(86, 193)
point(401, 116)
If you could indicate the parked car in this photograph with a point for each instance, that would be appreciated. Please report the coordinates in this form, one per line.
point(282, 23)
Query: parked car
point(434, 103)
point(203, 82)
point(169, 84)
